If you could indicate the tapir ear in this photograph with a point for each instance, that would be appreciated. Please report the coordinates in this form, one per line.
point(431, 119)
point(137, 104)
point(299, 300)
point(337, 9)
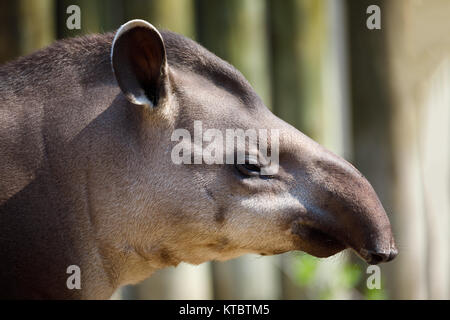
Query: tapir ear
point(139, 62)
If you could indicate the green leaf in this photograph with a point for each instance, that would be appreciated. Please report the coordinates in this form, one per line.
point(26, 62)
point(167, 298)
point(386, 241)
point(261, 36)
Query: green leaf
point(306, 267)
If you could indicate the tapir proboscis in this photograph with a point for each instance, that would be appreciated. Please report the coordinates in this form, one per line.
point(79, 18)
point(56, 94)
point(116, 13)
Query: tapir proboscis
point(87, 177)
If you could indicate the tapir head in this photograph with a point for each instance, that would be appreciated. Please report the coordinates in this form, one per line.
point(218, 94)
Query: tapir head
point(197, 209)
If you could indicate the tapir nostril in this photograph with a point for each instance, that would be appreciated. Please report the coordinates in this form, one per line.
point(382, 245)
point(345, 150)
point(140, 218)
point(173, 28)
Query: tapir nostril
point(373, 257)
point(392, 255)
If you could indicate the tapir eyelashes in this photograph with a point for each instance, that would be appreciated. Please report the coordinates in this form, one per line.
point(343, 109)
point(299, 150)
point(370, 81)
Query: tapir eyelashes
point(249, 168)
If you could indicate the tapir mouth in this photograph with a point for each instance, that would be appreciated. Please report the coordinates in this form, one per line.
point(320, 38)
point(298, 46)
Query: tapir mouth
point(324, 244)
point(317, 235)
point(321, 243)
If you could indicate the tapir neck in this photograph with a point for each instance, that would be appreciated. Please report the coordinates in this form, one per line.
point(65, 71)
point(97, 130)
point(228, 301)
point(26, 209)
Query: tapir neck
point(40, 240)
point(75, 225)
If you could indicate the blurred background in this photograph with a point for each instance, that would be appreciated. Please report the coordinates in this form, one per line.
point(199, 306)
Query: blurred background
point(380, 98)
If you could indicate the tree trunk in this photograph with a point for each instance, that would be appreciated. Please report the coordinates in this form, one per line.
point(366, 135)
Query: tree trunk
point(418, 49)
point(297, 41)
point(90, 17)
point(173, 15)
point(235, 30)
point(26, 26)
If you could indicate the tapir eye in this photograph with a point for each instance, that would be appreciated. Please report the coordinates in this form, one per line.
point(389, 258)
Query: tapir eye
point(249, 168)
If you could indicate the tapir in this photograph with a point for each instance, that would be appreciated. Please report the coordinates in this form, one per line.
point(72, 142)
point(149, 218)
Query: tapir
point(87, 179)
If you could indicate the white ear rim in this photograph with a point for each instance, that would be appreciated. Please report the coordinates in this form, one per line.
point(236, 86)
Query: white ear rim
point(140, 100)
point(130, 25)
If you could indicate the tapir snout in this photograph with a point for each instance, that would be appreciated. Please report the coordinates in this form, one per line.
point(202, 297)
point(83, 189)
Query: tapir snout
point(344, 210)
